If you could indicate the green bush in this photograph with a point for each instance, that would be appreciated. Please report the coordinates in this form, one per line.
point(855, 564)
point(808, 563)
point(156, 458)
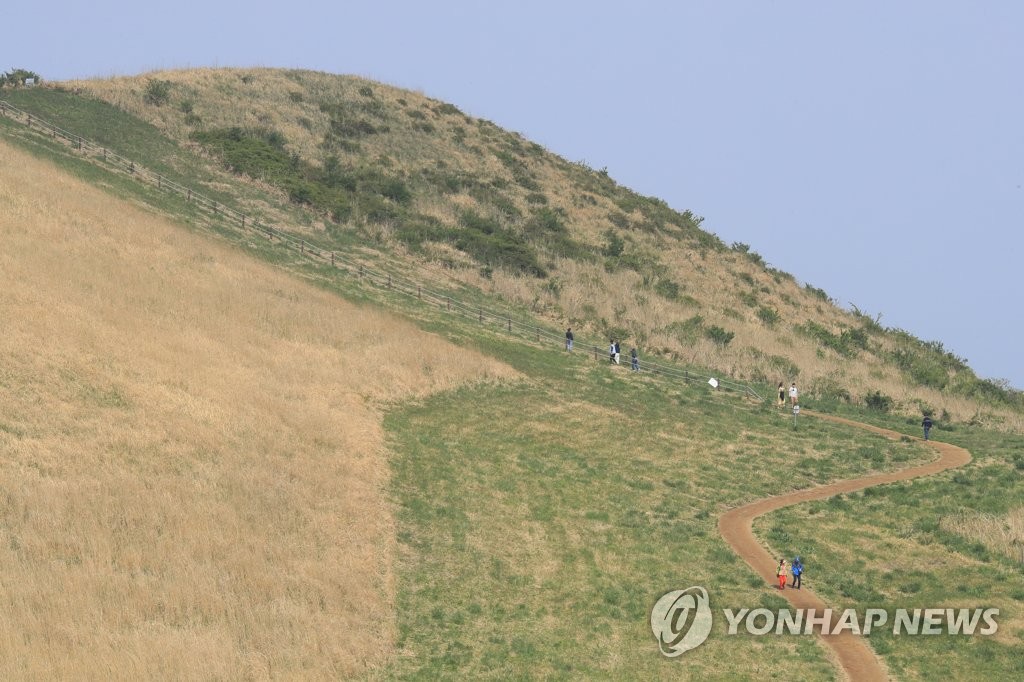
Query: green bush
point(17, 77)
point(157, 93)
point(668, 289)
point(818, 293)
point(720, 336)
point(770, 316)
point(878, 401)
point(614, 245)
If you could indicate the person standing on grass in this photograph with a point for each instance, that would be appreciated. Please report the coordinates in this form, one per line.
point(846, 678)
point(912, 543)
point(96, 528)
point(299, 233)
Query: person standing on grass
point(617, 352)
point(797, 567)
point(568, 338)
point(611, 350)
point(635, 359)
point(780, 571)
point(793, 393)
point(926, 424)
point(782, 394)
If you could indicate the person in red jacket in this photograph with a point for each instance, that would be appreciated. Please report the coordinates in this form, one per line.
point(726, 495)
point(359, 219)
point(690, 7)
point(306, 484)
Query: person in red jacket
point(781, 573)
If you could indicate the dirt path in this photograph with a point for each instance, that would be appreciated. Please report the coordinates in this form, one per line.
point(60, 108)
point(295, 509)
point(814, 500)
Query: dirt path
point(855, 657)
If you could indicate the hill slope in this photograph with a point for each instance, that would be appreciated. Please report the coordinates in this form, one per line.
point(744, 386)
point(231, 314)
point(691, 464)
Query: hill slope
point(420, 179)
point(190, 449)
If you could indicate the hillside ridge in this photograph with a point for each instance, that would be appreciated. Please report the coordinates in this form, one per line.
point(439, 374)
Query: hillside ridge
point(417, 178)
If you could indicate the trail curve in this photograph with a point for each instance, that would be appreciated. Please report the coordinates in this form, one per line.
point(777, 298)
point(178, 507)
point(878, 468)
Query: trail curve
point(855, 658)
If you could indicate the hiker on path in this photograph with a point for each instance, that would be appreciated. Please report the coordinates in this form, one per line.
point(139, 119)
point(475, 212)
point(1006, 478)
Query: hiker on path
point(926, 424)
point(793, 393)
point(617, 352)
point(611, 350)
point(780, 571)
point(568, 338)
point(797, 567)
point(782, 394)
point(635, 359)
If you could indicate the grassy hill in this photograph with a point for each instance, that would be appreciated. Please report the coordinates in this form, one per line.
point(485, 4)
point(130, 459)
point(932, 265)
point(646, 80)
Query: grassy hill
point(223, 460)
point(181, 430)
point(347, 161)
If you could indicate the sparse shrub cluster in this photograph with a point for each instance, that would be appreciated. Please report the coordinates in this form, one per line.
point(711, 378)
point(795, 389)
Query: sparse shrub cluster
point(17, 77)
point(157, 92)
point(668, 289)
point(769, 316)
point(341, 192)
point(818, 293)
point(878, 401)
point(752, 256)
point(719, 336)
point(846, 343)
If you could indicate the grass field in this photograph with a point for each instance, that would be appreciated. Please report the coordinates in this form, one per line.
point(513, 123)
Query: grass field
point(538, 522)
point(925, 544)
point(191, 454)
point(208, 467)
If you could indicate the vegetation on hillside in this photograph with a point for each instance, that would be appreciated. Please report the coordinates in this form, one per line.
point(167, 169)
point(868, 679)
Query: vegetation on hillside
point(421, 179)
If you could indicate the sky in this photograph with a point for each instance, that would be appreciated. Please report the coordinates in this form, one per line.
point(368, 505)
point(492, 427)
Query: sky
point(872, 149)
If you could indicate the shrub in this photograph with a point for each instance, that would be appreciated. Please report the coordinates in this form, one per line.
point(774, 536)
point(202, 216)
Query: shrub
point(768, 315)
point(878, 401)
point(157, 93)
point(614, 245)
point(17, 77)
point(818, 293)
point(666, 288)
point(720, 336)
point(366, 91)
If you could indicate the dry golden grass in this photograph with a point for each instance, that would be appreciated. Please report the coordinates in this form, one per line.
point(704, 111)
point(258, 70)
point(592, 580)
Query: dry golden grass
point(999, 533)
point(191, 457)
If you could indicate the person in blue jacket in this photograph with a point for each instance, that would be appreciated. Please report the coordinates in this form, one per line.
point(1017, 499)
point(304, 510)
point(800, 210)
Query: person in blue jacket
point(797, 569)
point(926, 424)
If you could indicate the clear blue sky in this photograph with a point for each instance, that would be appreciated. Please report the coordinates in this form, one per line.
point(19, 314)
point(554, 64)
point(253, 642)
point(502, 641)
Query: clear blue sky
point(873, 149)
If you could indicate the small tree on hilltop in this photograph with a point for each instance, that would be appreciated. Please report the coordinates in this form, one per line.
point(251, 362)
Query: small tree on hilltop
point(17, 77)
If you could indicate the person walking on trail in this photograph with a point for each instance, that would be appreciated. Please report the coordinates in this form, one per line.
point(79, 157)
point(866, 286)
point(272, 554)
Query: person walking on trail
point(611, 350)
point(797, 568)
point(617, 352)
point(568, 338)
point(782, 394)
point(793, 393)
point(926, 424)
point(635, 359)
point(780, 571)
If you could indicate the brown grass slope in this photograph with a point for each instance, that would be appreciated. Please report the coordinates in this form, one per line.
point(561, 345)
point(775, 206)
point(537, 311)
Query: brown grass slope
point(191, 457)
point(667, 288)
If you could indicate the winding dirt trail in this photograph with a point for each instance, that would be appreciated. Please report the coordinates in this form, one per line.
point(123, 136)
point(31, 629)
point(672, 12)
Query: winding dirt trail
point(855, 657)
